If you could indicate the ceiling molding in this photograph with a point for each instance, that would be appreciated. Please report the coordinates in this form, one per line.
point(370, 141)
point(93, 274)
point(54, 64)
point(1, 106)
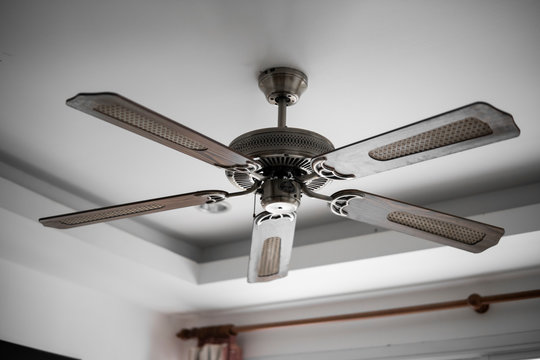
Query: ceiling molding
point(470, 206)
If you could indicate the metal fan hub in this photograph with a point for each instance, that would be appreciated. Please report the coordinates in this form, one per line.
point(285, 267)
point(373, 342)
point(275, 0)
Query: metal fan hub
point(280, 195)
point(280, 149)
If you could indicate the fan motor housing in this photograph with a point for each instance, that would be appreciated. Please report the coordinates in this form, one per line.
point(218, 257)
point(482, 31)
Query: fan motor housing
point(280, 196)
point(280, 151)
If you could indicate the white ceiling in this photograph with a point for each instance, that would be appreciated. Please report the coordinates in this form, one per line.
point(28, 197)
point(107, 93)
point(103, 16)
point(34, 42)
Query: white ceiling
point(372, 65)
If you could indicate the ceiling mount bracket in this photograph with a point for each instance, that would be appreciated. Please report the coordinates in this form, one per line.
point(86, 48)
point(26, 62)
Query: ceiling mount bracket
point(280, 83)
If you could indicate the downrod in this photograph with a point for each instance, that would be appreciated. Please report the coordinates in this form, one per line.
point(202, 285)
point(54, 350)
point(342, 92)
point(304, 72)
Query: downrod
point(282, 102)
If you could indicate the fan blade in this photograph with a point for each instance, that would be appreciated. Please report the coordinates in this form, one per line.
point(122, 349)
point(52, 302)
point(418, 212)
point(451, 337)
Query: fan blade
point(271, 246)
point(133, 209)
point(457, 130)
point(424, 223)
point(131, 116)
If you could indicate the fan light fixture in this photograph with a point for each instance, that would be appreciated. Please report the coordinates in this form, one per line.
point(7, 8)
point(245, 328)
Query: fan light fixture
point(215, 207)
point(281, 164)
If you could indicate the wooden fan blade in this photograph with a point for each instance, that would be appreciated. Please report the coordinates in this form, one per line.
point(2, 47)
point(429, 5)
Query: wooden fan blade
point(271, 246)
point(131, 116)
point(417, 221)
point(457, 130)
point(132, 209)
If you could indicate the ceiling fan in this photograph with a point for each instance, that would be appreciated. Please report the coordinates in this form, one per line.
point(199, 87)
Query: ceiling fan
point(281, 164)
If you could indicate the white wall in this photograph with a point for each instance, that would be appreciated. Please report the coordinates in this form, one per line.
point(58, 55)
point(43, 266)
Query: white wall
point(507, 331)
point(51, 314)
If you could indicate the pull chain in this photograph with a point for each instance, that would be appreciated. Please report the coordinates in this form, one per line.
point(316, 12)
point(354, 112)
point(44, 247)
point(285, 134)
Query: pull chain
point(254, 203)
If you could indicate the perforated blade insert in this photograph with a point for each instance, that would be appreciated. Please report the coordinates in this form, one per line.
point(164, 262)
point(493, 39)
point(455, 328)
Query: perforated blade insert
point(445, 229)
point(456, 132)
point(271, 252)
point(139, 121)
point(109, 214)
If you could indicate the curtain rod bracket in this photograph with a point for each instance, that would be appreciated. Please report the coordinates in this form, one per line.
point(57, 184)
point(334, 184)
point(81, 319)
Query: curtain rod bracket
point(477, 303)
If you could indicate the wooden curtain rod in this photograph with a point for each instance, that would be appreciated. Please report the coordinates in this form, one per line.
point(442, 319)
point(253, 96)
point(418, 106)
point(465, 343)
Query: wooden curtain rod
point(478, 303)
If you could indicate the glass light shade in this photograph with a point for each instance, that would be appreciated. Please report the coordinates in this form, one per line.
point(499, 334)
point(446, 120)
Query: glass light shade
point(271, 246)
